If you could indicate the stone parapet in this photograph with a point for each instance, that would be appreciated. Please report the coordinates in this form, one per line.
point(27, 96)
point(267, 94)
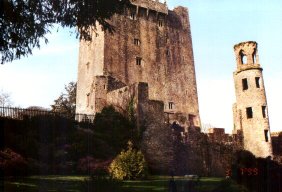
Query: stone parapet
point(243, 44)
point(248, 67)
point(151, 5)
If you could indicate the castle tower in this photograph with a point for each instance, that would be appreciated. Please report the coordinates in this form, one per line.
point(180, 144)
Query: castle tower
point(250, 110)
point(151, 44)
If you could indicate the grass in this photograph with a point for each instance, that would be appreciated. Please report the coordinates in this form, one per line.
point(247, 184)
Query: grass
point(44, 183)
point(160, 183)
point(82, 183)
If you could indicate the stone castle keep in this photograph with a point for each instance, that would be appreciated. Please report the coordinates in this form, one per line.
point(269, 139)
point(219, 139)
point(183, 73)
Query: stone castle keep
point(148, 62)
point(149, 58)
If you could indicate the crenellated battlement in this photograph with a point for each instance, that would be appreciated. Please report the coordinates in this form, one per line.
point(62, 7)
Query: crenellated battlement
point(154, 5)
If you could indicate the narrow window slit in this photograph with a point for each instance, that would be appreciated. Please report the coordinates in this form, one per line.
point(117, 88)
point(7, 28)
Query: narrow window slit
point(245, 84)
point(263, 108)
point(160, 23)
point(249, 112)
point(258, 82)
point(87, 99)
point(266, 135)
point(170, 105)
point(138, 60)
point(137, 42)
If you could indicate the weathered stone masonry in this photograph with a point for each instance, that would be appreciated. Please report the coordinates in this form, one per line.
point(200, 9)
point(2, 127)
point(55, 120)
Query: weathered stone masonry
point(151, 44)
point(149, 62)
point(250, 109)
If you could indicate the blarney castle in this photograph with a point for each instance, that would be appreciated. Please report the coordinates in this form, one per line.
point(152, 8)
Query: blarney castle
point(149, 61)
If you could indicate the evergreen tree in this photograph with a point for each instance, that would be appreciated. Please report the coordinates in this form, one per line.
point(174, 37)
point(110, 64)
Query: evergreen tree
point(66, 101)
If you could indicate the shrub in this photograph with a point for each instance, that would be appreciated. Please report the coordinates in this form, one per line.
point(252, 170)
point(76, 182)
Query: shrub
point(129, 165)
point(93, 166)
point(12, 163)
point(106, 124)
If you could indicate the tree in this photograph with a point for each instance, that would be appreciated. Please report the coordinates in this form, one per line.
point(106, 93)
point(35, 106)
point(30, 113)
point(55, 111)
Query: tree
point(66, 101)
point(5, 100)
point(129, 164)
point(23, 23)
point(112, 130)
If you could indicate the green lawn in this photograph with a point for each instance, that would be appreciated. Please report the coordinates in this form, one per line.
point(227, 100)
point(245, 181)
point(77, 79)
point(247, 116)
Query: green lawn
point(44, 183)
point(160, 183)
point(82, 183)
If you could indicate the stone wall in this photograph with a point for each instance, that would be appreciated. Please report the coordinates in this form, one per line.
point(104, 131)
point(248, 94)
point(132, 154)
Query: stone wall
point(205, 154)
point(151, 126)
point(180, 147)
point(90, 65)
point(120, 98)
point(276, 139)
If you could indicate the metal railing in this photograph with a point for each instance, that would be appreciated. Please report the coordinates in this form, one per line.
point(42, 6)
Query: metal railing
point(21, 113)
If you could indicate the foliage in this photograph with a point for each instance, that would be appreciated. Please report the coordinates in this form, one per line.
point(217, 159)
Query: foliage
point(90, 165)
point(67, 101)
point(42, 139)
point(25, 22)
point(5, 99)
point(12, 163)
point(54, 144)
point(131, 110)
point(112, 131)
point(129, 165)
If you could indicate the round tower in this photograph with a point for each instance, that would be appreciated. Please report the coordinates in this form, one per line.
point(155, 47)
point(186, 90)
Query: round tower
point(250, 109)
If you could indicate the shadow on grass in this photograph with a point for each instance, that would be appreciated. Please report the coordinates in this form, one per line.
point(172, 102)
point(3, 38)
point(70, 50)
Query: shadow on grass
point(44, 183)
point(149, 185)
point(160, 183)
point(83, 183)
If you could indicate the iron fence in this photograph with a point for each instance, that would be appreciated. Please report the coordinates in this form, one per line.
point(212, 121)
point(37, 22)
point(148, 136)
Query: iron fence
point(21, 113)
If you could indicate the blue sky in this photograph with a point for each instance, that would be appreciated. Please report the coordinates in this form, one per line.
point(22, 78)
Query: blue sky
point(216, 26)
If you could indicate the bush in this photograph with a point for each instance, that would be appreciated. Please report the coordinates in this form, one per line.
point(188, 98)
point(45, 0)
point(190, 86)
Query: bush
point(90, 165)
point(12, 163)
point(106, 124)
point(129, 165)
